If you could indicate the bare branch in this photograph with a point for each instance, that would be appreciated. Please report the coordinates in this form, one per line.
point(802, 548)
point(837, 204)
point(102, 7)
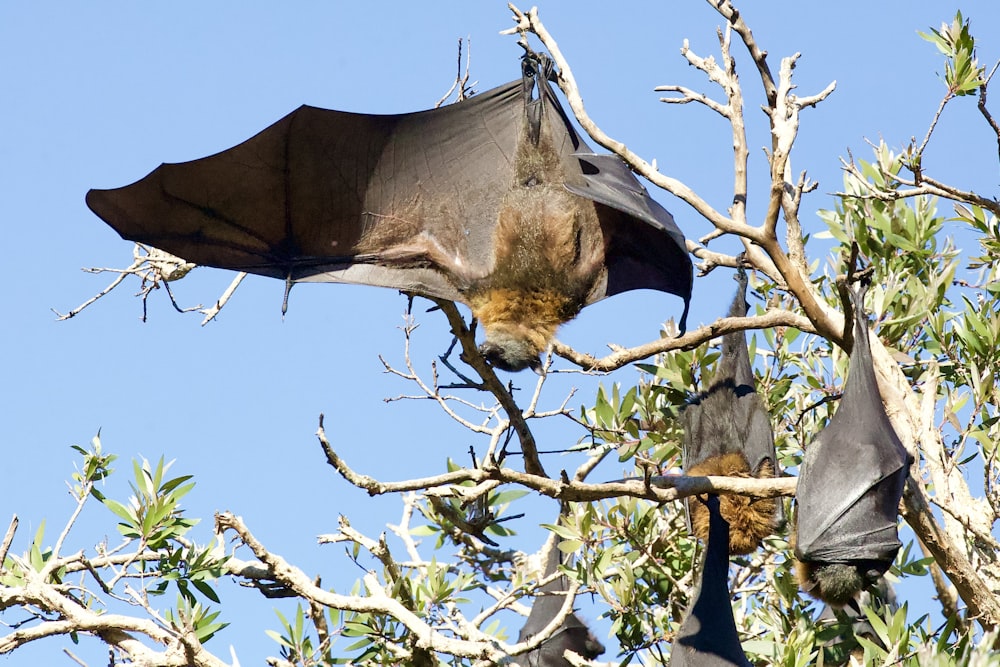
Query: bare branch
point(690, 340)
point(984, 606)
point(531, 22)
point(376, 601)
point(658, 489)
point(211, 312)
point(471, 356)
point(7, 539)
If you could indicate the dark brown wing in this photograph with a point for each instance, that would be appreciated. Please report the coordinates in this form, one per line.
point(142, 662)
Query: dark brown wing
point(328, 195)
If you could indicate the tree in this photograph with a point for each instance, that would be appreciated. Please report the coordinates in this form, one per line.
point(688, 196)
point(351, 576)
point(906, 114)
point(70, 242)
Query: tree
point(628, 538)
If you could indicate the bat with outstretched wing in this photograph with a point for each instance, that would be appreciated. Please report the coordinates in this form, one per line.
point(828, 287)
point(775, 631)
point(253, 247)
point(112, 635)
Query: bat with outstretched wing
point(573, 634)
point(494, 201)
point(727, 431)
point(708, 636)
point(850, 484)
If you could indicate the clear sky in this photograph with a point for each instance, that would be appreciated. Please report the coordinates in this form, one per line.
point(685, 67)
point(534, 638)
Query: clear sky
point(98, 94)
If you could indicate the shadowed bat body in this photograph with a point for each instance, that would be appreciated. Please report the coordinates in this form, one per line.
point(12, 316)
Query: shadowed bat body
point(708, 635)
point(850, 484)
point(494, 201)
point(573, 634)
point(727, 431)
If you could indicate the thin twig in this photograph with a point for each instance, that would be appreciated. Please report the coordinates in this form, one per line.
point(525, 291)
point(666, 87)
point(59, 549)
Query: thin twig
point(7, 539)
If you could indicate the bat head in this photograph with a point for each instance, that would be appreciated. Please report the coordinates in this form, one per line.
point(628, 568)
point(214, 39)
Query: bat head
point(837, 584)
point(511, 353)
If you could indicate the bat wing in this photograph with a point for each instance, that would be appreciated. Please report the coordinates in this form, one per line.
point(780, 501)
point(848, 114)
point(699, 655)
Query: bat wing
point(644, 247)
point(847, 499)
point(853, 474)
point(329, 195)
point(409, 201)
point(708, 635)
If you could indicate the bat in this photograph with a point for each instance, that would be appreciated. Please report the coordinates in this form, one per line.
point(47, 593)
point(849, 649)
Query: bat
point(727, 431)
point(707, 636)
point(850, 484)
point(494, 201)
point(573, 634)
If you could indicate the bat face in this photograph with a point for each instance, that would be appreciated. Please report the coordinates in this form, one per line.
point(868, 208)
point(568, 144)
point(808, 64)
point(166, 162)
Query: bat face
point(495, 202)
point(573, 634)
point(850, 484)
point(727, 431)
point(708, 635)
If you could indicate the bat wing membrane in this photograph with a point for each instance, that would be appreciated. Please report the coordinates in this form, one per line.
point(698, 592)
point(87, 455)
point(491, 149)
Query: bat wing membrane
point(325, 195)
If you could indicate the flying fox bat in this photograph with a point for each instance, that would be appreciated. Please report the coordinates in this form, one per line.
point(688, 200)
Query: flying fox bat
point(850, 484)
point(573, 634)
point(494, 201)
point(727, 431)
point(708, 636)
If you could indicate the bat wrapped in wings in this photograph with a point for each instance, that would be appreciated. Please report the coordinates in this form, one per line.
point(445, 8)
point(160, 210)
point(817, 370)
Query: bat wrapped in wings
point(573, 634)
point(727, 431)
point(708, 636)
point(494, 201)
point(850, 484)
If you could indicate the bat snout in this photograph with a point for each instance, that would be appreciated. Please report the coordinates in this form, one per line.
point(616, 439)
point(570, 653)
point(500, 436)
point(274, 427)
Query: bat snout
point(510, 356)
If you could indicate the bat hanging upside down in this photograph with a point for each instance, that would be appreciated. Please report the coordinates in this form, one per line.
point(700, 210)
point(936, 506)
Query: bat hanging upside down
point(850, 484)
point(727, 431)
point(494, 201)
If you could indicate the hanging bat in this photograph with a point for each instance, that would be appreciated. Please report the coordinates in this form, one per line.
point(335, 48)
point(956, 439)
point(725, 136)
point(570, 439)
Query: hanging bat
point(573, 634)
point(850, 484)
point(708, 636)
point(494, 201)
point(727, 431)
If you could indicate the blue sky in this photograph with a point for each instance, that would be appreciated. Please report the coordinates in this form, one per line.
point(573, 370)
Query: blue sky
point(98, 94)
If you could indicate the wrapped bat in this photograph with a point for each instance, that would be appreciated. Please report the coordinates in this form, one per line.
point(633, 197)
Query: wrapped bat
point(850, 484)
point(494, 201)
point(573, 634)
point(727, 431)
point(708, 636)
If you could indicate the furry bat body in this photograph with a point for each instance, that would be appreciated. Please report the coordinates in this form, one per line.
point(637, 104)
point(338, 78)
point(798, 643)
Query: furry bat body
point(727, 431)
point(850, 484)
point(494, 201)
point(708, 635)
